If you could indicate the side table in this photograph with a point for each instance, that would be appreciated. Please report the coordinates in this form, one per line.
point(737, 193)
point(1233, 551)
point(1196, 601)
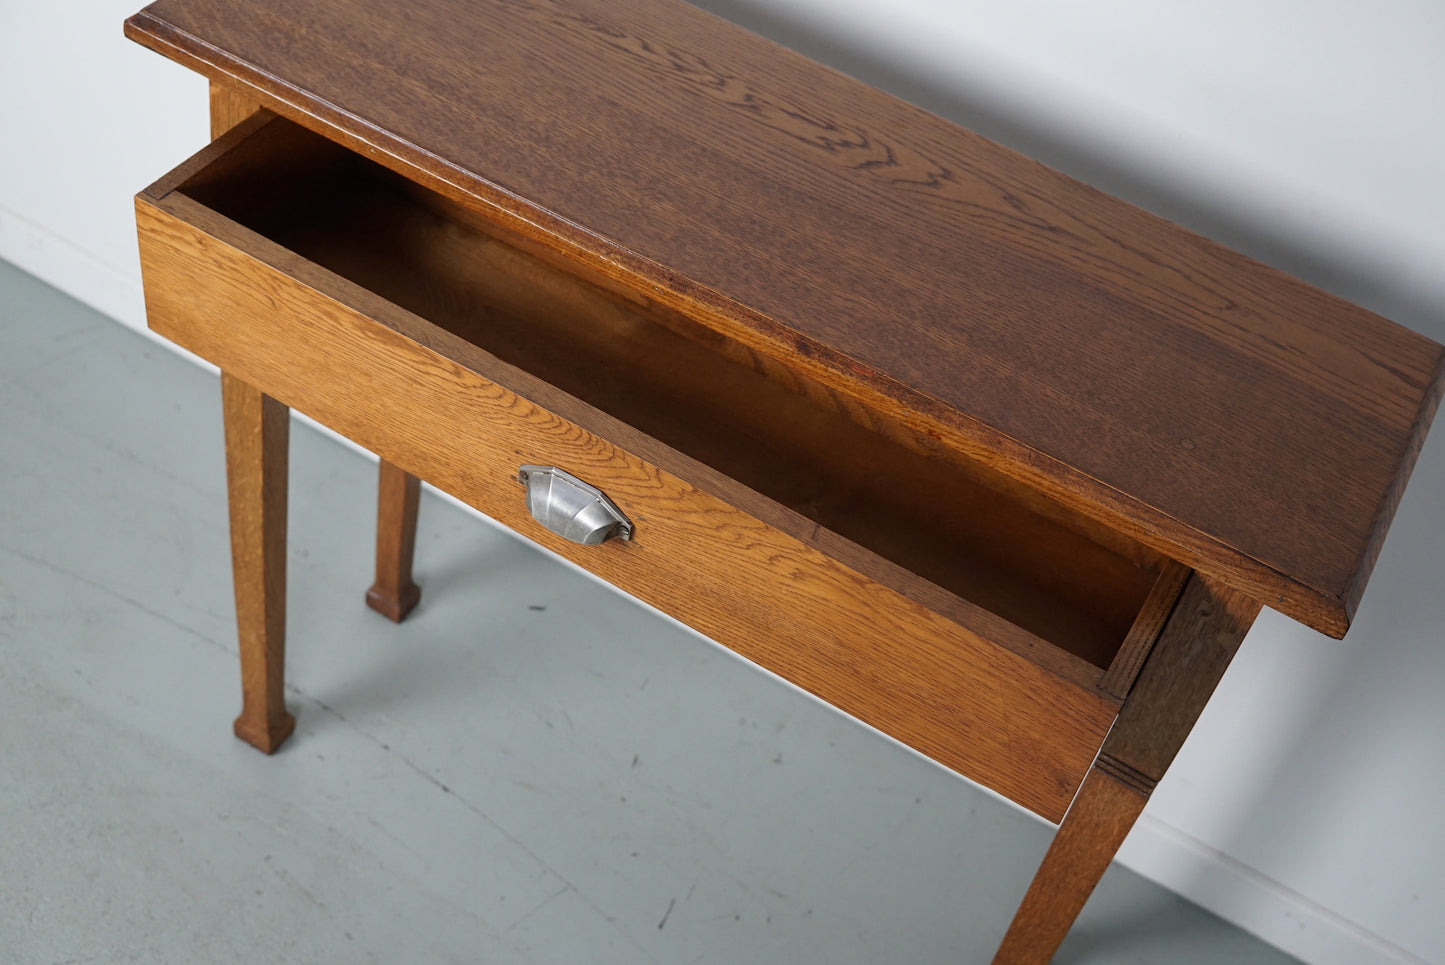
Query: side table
point(995, 463)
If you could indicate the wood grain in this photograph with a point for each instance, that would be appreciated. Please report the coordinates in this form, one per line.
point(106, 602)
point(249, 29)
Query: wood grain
point(393, 595)
point(1214, 409)
point(1081, 852)
point(785, 371)
point(229, 107)
point(939, 519)
point(1196, 646)
point(1199, 639)
point(1163, 595)
point(1046, 453)
point(949, 689)
point(257, 432)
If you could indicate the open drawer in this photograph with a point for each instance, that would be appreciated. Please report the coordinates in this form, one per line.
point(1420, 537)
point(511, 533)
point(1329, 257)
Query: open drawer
point(925, 594)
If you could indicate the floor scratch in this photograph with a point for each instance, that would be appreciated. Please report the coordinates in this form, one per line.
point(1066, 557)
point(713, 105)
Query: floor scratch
point(112, 593)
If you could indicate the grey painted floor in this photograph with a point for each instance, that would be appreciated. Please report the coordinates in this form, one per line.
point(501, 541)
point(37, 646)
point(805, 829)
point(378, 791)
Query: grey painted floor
point(531, 769)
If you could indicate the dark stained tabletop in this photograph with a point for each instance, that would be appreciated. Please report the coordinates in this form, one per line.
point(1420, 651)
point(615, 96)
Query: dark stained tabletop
point(1233, 417)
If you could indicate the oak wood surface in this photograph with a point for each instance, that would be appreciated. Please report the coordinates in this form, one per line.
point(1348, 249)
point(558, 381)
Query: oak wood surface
point(660, 188)
point(957, 692)
point(1148, 623)
point(1095, 827)
point(229, 107)
point(257, 432)
point(1186, 663)
point(930, 515)
point(1200, 636)
point(215, 164)
point(1225, 414)
point(257, 435)
point(398, 495)
point(791, 373)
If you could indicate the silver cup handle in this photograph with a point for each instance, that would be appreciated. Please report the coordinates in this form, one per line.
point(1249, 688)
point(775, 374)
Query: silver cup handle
point(571, 508)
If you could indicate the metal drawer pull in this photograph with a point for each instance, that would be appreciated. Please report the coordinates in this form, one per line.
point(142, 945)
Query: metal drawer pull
point(570, 507)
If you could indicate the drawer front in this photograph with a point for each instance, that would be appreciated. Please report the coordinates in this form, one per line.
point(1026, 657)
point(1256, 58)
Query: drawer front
point(391, 382)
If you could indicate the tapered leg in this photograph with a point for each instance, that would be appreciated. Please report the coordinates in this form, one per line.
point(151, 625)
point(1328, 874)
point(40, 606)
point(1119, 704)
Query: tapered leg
point(1095, 827)
point(257, 432)
point(1194, 649)
point(398, 494)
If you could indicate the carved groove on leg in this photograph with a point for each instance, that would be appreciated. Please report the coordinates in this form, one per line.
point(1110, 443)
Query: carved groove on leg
point(1190, 655)
point(1125, 775)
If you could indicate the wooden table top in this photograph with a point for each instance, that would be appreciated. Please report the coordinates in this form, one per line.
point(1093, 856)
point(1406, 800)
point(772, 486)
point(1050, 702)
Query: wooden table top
point(1231, 416)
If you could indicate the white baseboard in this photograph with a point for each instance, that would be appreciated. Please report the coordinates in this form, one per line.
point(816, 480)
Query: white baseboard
point(107, 288)
point(89, 279)
point(1258, 904)
point(1158, 851)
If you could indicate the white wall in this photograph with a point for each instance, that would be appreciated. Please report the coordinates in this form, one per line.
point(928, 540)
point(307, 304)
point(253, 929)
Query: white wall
point(1307, 134)
point(87, 119)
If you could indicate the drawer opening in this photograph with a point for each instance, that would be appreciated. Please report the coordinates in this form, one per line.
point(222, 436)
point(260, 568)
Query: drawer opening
point(956, 524)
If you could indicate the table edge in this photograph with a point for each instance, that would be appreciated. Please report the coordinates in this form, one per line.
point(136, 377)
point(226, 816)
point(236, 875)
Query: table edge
point(1328, 610)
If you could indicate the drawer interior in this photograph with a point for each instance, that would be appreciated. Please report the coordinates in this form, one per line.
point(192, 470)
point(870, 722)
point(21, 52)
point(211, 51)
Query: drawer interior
point(957, 524)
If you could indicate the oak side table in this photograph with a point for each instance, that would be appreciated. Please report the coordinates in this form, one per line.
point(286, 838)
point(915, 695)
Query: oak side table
point(997, 464)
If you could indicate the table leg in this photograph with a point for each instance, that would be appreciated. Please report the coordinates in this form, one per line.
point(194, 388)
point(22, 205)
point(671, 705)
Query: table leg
point(1194, 649)
point(229, 108)
point(257, 432)
point(1095, 827)
point(398, 494)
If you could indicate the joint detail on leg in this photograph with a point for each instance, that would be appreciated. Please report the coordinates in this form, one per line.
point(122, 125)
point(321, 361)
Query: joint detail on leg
point(1131, 778)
